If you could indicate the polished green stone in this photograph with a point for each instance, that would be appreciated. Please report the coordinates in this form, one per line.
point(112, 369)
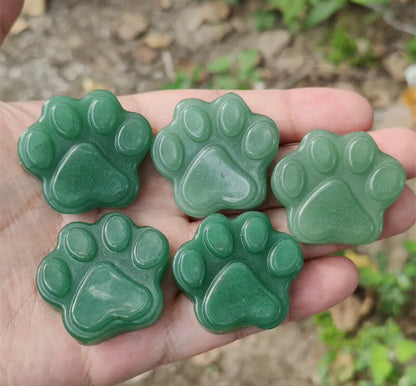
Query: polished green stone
point(216, 155)
point(237, 272)
point(105, 277)
point(336, 188)
point(86, 152)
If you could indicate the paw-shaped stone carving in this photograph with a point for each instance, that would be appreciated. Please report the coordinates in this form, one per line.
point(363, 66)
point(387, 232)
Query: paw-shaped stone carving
point(105, 277)
point(86, 152)
point(216, 155)
point(237, 272)
point(336, 188)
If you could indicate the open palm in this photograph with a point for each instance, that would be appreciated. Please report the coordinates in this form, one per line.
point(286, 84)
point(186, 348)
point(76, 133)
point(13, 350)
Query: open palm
point(34, 346)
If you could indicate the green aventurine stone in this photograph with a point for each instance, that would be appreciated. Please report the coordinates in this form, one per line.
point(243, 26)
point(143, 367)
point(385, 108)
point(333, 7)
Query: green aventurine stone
point(216, 155)
point(336, 188)
point(105, 277)
point(86, 152)
point(238, 272)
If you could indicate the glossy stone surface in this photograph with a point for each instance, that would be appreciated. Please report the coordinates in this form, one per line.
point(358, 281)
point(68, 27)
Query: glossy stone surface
point(237, 272)
point(216, 155)
point(105, 277)
point(86, 152)
point(336, 188)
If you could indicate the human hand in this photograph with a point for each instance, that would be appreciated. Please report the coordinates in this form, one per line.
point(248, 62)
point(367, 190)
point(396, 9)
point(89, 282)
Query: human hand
point(34, 345)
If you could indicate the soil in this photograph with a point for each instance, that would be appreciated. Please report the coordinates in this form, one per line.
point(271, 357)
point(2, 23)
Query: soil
point(133, 46)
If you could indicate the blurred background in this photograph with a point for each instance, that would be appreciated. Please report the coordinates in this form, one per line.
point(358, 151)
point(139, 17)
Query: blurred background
point(70, 47)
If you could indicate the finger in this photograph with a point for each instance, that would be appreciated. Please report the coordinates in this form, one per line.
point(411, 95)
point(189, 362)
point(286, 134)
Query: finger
point(178, 335)
point(9, 12)
point(400, 143)
point(322, 284)
point(295, 111)
point(401, 215)
point(398, 218)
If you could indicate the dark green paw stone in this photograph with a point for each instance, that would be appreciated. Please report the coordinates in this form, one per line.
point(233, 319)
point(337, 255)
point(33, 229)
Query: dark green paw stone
point(237, 272)
point(86, 152)
point(105, 277)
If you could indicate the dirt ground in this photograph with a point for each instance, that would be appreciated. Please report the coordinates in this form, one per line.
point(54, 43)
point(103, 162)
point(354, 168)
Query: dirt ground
point(135, 46)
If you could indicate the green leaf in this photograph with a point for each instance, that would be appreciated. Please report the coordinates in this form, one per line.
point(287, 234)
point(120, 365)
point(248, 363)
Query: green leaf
point(369, 2)
point(410, 270)
point(410, 245)
point(343, 47)
point(324, 366)
point(391, 332)
point(364, 383)
point(196, 75)
point(371, 17)
point(404, 282)
point(220, 65)
point(405, 350)
point(248, 60)
point(293, 11)
point(363, 359)
point(380, 366)
point(409, 377)
point(370, 278)
point(382, 261)
point(182, 81)
point(392, 300)
point(322, 11)
point(265, 20)
point(328, 332)
point(224, 82)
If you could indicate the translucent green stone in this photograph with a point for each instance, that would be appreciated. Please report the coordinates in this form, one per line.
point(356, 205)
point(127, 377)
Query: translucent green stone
point(105, 277)
point(86, 152)
point(237, 272)
point(336, 188)
point(216, 155)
